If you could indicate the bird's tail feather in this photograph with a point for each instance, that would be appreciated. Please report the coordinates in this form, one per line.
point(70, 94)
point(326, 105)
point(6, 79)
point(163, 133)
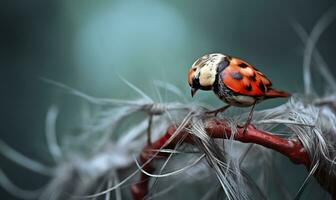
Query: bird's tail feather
point(273, 93)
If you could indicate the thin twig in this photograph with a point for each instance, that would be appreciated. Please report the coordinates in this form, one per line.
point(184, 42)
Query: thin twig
point(292, 148)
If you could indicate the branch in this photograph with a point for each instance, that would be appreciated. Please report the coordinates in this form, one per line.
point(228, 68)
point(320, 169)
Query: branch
point(217, 128)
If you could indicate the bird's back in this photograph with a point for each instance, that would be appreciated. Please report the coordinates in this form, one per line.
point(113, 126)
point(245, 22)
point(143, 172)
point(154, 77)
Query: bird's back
point(241, 84)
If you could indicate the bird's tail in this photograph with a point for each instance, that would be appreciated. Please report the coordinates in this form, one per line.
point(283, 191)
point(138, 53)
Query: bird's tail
point(274, 93)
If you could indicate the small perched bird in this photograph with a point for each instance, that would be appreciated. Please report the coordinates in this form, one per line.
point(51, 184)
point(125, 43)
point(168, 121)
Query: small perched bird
point(233, 80)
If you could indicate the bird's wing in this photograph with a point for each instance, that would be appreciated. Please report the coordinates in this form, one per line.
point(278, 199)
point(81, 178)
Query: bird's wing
point(244, 79)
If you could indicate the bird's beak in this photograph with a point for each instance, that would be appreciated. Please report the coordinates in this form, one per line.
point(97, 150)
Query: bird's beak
point(193, 91)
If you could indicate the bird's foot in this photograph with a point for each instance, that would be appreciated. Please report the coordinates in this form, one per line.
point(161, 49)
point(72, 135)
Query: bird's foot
point(245, 128)
point(249, 119)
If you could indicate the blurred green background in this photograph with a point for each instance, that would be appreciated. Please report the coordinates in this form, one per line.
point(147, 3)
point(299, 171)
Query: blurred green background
point(86, 44)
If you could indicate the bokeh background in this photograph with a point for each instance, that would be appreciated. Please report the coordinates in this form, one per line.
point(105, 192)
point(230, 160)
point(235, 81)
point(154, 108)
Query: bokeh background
point(88, 44)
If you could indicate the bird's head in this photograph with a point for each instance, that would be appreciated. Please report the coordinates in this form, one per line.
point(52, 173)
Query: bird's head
point(203, 72)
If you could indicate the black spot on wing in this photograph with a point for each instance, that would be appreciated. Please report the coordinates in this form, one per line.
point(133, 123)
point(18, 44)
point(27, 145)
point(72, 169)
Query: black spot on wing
point(248, 87)
point(253, 78)
point(237, 75)
point(261, 86)
point(242, 65)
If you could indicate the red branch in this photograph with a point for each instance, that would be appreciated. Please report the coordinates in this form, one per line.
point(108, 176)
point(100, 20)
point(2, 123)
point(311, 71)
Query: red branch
point(216, 128)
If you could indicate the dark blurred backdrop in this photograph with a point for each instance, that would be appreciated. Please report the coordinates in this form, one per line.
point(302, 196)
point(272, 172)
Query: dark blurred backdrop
point(86, 44)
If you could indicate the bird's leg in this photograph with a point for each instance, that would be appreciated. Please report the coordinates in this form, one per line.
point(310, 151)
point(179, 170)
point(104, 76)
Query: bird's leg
point(249, 118)
point(215, 112)
point(149, 130)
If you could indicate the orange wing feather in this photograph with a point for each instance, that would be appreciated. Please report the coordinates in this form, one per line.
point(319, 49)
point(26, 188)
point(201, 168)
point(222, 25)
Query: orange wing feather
point(244, 79)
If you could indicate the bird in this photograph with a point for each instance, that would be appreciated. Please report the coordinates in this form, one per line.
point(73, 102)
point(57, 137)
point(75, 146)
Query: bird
point(233, 80)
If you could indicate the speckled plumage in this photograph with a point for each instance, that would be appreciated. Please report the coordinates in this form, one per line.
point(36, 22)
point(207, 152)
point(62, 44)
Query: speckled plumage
point(233, 80)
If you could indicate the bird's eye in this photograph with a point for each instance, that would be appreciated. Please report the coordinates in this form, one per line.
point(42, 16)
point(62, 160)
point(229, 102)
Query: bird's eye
point(194, 69)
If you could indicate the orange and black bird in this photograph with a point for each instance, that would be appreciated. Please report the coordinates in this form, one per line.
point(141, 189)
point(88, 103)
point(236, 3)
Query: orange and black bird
point(233, 80)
